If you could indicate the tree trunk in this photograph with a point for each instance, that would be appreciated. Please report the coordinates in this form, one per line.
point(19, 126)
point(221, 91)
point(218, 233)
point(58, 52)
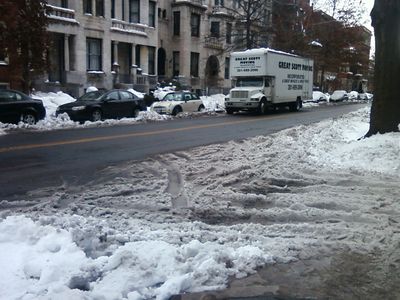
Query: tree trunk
point(385, 111)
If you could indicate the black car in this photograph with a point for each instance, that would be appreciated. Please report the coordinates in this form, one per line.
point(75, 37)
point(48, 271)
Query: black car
point(100, 105)
point(16, 107)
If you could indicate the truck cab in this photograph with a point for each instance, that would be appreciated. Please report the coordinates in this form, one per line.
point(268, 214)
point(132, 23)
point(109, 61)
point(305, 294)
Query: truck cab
point(259, 90)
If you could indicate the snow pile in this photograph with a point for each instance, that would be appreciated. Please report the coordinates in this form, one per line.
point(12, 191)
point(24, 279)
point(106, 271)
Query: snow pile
point(41, 260)
point(53, 100)
point(214, 102)
point(91, 89)
point(160, 93)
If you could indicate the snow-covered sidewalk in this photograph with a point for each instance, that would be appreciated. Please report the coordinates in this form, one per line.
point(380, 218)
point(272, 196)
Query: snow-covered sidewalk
point(186, 221)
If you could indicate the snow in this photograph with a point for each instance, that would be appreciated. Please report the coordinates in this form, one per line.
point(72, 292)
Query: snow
point(136, 93)
point(136, 232)
point(91, 89)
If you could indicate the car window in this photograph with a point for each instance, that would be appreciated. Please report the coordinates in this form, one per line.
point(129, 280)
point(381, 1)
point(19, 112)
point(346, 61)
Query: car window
point(7, 96)
point(126, 95)
point(188, 97)
point(112, 96)
point(173, 97)
point(195, 97)
point(90, 96)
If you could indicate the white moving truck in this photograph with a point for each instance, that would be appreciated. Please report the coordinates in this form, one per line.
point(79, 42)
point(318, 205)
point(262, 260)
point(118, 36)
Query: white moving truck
point(268, 78)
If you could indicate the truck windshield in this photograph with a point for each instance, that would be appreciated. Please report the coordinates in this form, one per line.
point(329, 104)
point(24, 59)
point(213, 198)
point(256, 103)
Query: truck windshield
point(253, 81)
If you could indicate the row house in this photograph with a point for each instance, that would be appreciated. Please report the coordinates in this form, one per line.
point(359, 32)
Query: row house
point(140, 43)
point(101, 43)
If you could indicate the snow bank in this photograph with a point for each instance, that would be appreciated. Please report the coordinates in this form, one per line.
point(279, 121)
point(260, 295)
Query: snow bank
point(214, 102)
point(52, 100)
point(42, 261)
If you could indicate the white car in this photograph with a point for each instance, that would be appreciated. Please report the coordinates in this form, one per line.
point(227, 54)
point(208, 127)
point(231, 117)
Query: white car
point(176, 102)
point(339, 95)
point(319, 96)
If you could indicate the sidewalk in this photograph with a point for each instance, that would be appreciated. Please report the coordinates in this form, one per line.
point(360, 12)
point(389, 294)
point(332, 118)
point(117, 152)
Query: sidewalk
point(345, 275)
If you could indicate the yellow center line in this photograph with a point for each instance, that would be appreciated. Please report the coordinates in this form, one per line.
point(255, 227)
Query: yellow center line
point(127, 135)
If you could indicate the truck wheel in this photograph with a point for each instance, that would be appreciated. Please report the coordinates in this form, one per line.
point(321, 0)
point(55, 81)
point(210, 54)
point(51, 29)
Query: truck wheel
point(296, 106)
point(229, 111)
point(262, 108)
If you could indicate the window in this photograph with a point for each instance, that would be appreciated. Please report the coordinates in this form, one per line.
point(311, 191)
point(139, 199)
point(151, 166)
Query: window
point(100, 8)
point(228, 33)
point(175, 63)
point(137, 55)
point(194, 64)
point(2, 56)
point(87, 7)
point(219, 2)
point(152, 59)
point(195, 24)
point(64, 3)
point(152, 14)
point(134, 11)
point(177, 22)
point(126, 95)
point(113, 9)
point(93, 57)
point(227, 65)
point(214, 29)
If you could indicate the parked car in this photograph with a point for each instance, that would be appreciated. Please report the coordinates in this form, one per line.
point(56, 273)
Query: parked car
point(353, 95)
point(174, 103)
point(339, 95)
point(319, 96)
point(16, 107)
point(100, 105)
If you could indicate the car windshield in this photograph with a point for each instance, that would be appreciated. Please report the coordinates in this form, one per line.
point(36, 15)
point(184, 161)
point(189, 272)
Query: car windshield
point(251, 82)
point(173, 97)
point(91, 96)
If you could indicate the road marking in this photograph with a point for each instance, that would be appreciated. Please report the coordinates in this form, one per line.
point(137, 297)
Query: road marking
point(128, 135)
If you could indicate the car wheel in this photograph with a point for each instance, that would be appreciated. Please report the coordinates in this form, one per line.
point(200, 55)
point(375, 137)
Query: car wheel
point(136, 112)
point(176, 110)
point(29, 118)
point(201, 107)
point(96, 115)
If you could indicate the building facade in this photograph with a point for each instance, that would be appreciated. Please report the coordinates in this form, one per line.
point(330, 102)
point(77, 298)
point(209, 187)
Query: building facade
point(140, 43)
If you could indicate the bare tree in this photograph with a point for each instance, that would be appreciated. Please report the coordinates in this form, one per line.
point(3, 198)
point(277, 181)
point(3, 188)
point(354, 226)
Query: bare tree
point(251, 23)
point(385, 111)
point(24, 37)
point(348, 12)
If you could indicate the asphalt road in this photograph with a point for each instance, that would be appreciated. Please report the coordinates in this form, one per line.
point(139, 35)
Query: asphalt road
point(30, 160)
